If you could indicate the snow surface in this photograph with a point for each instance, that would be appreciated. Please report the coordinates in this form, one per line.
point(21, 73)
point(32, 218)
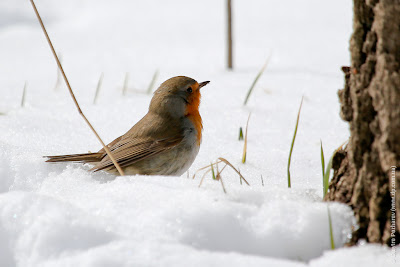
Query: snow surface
point(63, 215)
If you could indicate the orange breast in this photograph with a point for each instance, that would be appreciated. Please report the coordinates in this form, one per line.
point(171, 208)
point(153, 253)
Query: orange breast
point(192, 111)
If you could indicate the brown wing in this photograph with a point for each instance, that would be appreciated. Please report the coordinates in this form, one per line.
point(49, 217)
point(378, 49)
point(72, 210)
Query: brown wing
point(130, 150)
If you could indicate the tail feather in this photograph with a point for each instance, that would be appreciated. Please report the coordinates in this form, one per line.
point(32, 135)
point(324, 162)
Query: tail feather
point(88, 157)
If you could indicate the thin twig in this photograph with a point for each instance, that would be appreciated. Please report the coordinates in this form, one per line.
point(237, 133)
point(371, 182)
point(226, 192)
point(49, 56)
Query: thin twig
point(99, 83)
point(121, 172)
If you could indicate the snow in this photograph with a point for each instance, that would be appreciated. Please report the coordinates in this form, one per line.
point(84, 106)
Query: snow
point(63, 215)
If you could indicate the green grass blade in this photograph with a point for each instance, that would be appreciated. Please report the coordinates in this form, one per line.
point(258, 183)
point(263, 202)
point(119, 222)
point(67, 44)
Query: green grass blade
point(323, 168)
point(330, 229)
point(212, 171)
point(245, 141)
point(240, 133)
point(291, 147)
point(327, 174)
point(255, 80)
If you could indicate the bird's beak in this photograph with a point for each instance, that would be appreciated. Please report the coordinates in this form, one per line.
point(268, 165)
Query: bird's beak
point(203, 84)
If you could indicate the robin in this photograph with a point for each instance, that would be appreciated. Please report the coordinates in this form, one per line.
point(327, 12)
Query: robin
point(164, 142)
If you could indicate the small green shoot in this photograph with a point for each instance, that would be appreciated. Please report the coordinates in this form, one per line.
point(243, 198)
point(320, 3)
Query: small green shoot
point(152, 82)
point(212, 171)
point(322, 160)
point(240, 134)
point(256, 80)
point(323, 169)
point(330, 229)
point(99, 83)
point(217, 175)
point(125, 87)
point(24, 95)
point(291, 147)
point(327, 174)
point(245, 142)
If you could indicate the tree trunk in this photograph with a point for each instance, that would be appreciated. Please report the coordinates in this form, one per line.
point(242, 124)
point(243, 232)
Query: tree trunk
point(366, 172)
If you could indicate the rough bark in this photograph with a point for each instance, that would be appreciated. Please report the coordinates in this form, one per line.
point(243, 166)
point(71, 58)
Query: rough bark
point(370, 102)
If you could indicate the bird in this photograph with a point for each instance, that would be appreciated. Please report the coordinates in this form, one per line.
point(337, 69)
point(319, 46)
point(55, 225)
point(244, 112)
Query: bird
point(164, 142)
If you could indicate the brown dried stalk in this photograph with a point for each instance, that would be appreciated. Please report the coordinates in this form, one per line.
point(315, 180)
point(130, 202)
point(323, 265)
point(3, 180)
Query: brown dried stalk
point(230, 165)
point(218, 175)
point(121, 172)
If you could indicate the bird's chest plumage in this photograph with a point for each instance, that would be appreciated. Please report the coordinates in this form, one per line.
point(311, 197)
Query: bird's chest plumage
point(183, 155)
point(195, 124)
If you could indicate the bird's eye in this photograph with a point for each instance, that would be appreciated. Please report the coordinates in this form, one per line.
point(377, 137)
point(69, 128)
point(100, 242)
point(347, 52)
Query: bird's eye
point(189, 90)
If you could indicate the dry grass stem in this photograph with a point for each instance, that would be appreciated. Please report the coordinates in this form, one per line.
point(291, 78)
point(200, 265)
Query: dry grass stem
point(24, 95)
point(219, 172)
point(217, 176)
point(121, 172)
point(99, 83)
point(222, 184)
point(203, 168)
point(152, 82)
point(59, 78)
point(230, 165)
point(204, 176)
point(125, 87)
point(245, 141)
